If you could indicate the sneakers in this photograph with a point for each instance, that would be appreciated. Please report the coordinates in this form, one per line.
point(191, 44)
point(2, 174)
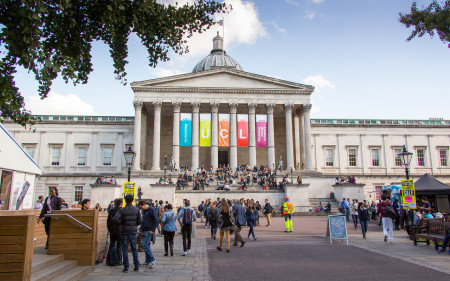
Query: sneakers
point(184, 253)
point(242, 244)
point(219, 249)
point(152, 264)
point(188, 251)
point(125, 270)
point(254, 238)
point(136, 269)
point(144, 264)
point(385, 238)
point(235, 244)
point(441, 250)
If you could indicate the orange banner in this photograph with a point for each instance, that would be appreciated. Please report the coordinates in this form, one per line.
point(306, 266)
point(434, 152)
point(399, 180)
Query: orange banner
point(224, 130)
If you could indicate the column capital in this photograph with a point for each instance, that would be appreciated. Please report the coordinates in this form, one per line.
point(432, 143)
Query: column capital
point(307, 107)
point(252, 108)
point(138, 104)
point(288, 107)
point(233, 107)
point(269, 108)
point(176, 106)
point(157, 105)
point(214, 107)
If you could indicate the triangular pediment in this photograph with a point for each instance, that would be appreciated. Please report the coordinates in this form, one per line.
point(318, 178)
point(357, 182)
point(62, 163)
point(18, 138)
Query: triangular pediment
point(221, 78)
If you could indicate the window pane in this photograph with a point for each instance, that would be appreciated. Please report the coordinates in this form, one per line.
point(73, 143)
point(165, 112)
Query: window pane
point(443, 157)
point(81, 156)
point(421, 157)
point(378, 192)
point(30, 151)
point(398, 161)
point(329, 157)
point(352, 157)
point(107, 156)
point(56, 151)
point(78, 193)
point(375, 157)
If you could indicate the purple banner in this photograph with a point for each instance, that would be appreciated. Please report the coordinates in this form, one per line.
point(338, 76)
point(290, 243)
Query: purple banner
point(261, 130)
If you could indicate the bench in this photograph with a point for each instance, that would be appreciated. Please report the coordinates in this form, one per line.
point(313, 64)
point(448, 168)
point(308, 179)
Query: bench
point(435, 231)
point(422, 228)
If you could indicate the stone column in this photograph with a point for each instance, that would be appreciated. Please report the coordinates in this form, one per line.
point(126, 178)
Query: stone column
point(176, 134)
point(137, 134)
point(297, 140)
point(307, 129)
point(289, 137)
point(233, 136)
point(214, 135)
point(270, 136)
point(252, 134)
point(156, 135)
point(302, 139)
point(195, 135)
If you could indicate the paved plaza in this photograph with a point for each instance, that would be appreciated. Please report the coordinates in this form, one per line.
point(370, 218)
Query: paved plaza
point(301, 255)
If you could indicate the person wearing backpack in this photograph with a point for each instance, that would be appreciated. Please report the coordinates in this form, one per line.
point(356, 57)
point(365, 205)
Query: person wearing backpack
point(213, 217)
point(114, 256)
point(388, 225)
point(200, 209)
point(186, 217)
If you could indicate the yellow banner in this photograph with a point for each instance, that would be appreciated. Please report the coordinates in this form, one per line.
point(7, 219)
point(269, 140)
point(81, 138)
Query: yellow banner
point(129, 188)
point(205, 129)
point(408, 194)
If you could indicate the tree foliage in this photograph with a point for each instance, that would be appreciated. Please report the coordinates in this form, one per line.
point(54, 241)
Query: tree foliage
point(54, 37)
point(428, 20)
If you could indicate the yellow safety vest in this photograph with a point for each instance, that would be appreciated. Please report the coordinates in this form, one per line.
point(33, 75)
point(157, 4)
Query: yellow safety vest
point(288, 208)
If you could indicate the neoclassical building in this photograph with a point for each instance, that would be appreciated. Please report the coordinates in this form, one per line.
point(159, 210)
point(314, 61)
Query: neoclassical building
point(221, 114)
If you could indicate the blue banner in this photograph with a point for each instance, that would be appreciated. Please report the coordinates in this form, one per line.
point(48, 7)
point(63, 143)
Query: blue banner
point(186, 129)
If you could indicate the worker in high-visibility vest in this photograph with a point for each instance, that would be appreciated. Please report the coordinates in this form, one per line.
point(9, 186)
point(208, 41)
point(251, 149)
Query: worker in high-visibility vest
point(288, 211)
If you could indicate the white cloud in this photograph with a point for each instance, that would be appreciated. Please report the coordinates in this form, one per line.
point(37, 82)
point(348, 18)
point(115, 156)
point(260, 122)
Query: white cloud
point(318, 1)
point(278, 28)
point(292, 2)
point(319, 81)
point(310, 15)
point(59, 104)
point(164, 72)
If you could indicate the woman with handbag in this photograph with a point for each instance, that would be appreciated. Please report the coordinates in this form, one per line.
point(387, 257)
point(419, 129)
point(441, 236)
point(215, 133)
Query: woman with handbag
point(226, 224)
point(168, 228)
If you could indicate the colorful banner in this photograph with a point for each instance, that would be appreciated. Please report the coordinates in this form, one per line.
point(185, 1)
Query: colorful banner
point(205, 129)
point(261, 130)
point(129, 188)
point(408, 194)
point(242, 130)
point(186, 129)
point(224, 130)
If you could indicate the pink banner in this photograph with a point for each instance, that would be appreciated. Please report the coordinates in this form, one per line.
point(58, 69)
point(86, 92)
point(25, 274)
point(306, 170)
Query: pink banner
point(261, 130)
point(242, 127)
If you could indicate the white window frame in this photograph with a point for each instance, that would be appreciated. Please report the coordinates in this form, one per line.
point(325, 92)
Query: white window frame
point(445, 150)
point(396, 157)
point(75, 193)
point(60, 147)
point(424, 149)
point(356, 155)
point(372, 150)
point(332, 156)
point(78, 147)
point(104, 147)
point(28, 146)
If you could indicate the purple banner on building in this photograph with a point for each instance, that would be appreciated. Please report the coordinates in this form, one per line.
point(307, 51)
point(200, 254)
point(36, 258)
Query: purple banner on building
point(261, 130)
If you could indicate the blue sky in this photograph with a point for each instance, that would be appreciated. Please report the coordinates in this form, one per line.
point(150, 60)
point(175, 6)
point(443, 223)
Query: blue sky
point(353, 51)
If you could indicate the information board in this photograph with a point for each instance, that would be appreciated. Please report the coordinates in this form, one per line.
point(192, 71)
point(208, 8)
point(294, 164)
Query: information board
point(408, 194)
point(337, 228)
point(129, 188)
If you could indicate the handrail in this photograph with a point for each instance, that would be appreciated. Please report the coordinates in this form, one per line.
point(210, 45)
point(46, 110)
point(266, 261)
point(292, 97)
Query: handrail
point(71, 219)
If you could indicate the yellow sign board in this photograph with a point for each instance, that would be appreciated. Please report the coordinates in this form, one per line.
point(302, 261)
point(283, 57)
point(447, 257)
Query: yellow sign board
point(129, 188)
point(408, 194)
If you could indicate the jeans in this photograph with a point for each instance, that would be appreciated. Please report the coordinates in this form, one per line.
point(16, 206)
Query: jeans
point(250, 231)
point(347, 214)
point(146, 239)
point(129, 237)
point(364, 225)
point(355, 221)
point(186, 230)
point(115, 241)
point(446, 240)
point(213, 228)
point(168, 240)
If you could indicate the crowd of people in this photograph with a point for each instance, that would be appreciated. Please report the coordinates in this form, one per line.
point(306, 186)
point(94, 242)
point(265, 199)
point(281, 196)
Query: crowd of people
point(106, 180)
point(348, 180)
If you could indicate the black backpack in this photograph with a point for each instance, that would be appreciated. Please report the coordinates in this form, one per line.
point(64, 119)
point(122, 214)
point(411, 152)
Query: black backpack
point(213, 215)
point(200, 208)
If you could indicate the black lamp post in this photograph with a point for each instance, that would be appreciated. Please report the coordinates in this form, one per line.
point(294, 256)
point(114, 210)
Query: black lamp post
point(129, 158)
point(292, 179)
point(165, 165)
point(405, 157)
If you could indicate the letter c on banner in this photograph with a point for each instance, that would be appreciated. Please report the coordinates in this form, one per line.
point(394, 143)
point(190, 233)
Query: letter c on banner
point(222, 135)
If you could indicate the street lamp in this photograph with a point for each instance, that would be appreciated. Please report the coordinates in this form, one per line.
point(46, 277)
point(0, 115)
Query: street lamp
point(405, 157)
point(129, 158)
point(165, 165)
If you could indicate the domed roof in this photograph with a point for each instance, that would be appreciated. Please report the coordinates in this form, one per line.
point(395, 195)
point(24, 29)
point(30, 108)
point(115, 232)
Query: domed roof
point(217, 58)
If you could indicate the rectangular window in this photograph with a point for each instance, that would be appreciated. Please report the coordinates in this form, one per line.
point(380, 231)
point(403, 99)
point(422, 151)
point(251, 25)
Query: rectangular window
point(398, 160)
point(78, 193)
point(81, 159)
point(56, 155)
point(352, 157)
point(443, 157)
point(30, 150)
point(329, 157)
point(375, 157)
point(378, 192)
point(421, 157)
point(107, 156)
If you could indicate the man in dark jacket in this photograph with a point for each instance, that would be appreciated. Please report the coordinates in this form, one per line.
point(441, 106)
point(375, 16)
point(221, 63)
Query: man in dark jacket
point(268, 211)
point(51, 203)
point(129, 218)
point(114, 229)
point(239, 215)
point(149, 222)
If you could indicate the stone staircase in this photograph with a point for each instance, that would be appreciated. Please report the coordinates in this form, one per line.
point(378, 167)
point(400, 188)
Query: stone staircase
point(212, 187)
point(314, 202)
point(54, 267)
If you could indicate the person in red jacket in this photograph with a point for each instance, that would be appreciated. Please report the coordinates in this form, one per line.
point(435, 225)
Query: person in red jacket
point(388, 225)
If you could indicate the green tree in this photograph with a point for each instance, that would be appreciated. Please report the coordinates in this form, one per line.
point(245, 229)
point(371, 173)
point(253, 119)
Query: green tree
point(431, 19)
point(54, 37)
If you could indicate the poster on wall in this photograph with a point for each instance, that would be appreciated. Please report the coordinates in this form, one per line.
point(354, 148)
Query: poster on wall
point(261, 130)
point(224, 130)
point(186, 129)
point(21, 191)
point(129, 188)
point(205, 129)
point(242, 130)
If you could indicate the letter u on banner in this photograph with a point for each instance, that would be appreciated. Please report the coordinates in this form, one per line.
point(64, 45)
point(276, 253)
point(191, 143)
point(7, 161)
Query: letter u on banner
point(242, 130)
point(186, 129)
point(261, 130)
point(224, 130)
point(205, 129)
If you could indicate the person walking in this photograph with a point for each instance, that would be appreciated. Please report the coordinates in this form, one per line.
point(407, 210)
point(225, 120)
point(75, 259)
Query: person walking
point(268, 211)
point(114, 256)
point(226, 224)
point(388, 224)
point(168, 228)
point(363, 215)
point(51, 203)
point(251, 217)
point(186, 217)
point(239, 216)
point(347, 209)
point(150, 220)
point(213, 218)
point(354, 213)
point(129, 218)
point(288, 212)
